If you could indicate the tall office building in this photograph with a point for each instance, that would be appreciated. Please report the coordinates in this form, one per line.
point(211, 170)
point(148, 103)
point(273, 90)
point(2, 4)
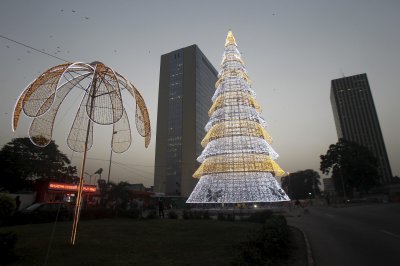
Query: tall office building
point(356, 118)
point(187, 81)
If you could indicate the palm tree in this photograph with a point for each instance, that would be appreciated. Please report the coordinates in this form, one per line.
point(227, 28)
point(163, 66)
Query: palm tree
point(119, 194)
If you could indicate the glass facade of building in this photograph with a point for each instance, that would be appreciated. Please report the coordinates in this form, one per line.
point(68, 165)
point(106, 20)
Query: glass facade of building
point(356, 118)
point(206, 73)
point(187, 81)
point(175, 123)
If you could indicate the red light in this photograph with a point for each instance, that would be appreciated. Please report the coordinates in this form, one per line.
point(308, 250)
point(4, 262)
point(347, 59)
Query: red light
point(71, 187)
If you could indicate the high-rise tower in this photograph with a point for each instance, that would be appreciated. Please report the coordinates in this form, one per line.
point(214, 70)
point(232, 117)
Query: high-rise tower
point(356, 118)
point(186, 86)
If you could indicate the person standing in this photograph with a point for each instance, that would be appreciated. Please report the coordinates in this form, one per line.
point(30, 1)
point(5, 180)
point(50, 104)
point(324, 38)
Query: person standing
point(17, 203)
point(161, 208)
point(140, 207)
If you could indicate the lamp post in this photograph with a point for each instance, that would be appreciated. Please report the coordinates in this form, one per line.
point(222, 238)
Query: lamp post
point(94, 181)
point(289, 188)
point(90, 177)
point(343, 186)
point(98, 172)
point(109, 166)
point(314, 189)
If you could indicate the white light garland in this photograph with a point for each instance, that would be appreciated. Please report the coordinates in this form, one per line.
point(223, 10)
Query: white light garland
point(236, 144)
point(235, 112)
point(233, 85)
point(237, 187)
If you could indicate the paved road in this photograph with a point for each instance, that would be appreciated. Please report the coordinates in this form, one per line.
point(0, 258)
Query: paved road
point(356, 235)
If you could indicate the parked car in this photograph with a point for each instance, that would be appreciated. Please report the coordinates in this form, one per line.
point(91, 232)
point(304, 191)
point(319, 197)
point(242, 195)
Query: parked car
point(42, 212)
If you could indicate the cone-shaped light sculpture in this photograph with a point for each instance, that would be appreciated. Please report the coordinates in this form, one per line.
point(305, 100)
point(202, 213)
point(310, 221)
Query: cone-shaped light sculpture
point(238, 163)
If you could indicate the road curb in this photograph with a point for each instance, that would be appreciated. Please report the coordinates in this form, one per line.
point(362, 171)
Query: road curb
point(310, 258)
point(309, 251)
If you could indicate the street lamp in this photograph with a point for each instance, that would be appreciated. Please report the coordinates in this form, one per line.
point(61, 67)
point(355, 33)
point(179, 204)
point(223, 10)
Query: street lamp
point(98, 172)
point(90, 177)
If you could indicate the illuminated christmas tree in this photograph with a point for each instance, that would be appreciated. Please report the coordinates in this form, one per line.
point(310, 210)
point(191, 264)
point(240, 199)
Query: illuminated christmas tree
point(238, 162)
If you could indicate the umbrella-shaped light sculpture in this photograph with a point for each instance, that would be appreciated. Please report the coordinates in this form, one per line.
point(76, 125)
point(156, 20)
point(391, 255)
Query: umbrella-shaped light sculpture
point(101, 104)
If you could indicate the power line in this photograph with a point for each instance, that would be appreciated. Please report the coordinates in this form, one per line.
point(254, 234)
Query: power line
point(133, 168)
point(138, 174)
point(30, 47)
point(131, 164)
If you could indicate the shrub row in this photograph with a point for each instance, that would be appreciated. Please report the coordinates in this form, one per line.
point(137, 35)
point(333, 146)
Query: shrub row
point(188, 214)
point(260, 216)
point(226, 216)
point(8, 241)
point(267, 246)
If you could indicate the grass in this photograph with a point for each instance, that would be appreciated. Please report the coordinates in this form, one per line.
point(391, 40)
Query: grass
point(132, 242)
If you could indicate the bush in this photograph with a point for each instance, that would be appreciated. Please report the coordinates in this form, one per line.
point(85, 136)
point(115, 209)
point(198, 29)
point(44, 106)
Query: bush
point(226, 216)
point(266, 246)
point(152, 215)
point(172, 215)
point(260, 216)
point(187, 214)
point(133, 213)
point(197, 215)
point(7, 246)
point(230, 217)
point(276, 236)
point(7, 206)
point(96, 213)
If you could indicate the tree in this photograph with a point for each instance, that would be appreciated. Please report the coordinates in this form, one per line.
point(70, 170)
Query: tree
point(395, 180)
point(119, 193)
point(300, 184)
point(352, 167)
point(22, 163)
point(7, 206)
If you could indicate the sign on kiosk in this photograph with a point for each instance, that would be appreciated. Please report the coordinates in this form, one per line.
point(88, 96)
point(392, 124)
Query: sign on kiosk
point(72, 187)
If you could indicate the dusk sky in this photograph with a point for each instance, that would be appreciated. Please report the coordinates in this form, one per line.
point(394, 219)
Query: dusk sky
point(292, 51)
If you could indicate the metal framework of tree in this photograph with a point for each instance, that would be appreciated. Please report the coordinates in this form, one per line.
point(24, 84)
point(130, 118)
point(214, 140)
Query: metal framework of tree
point(238, 163)
point(102, 104)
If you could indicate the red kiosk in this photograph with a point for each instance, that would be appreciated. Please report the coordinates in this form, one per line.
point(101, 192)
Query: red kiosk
point(51, 191)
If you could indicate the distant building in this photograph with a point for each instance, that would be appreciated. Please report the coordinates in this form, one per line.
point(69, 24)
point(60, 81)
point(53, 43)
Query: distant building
point(187, 81)
point(356, 118)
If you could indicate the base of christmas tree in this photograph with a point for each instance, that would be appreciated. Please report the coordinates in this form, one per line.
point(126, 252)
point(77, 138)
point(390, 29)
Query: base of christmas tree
point(237, 187)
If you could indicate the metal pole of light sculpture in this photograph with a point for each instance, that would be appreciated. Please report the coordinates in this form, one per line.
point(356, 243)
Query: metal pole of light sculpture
point(101, 104)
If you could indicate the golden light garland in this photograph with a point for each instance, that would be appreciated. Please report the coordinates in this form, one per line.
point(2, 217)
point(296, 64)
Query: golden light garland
point(238, 163)
point(234, 98)
point(230, 39)
point(232, 73)
point(236, 128)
